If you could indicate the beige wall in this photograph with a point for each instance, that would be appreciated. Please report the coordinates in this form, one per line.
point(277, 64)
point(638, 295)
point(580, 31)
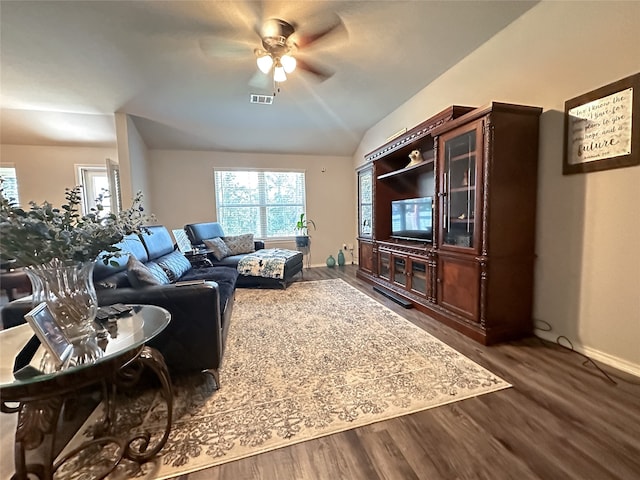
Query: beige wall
point(133, 162)
point(588, 267)
point(181, 185)
point(44, 172)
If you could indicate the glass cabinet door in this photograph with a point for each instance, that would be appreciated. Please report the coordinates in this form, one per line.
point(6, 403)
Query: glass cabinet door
point(419, 276)
point(365, 202)
point(459, 188)
point(400, 270)
point(384, 267)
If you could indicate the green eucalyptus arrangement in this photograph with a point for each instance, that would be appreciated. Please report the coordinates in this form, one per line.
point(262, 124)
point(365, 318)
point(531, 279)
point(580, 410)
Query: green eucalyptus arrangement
point(42, 233)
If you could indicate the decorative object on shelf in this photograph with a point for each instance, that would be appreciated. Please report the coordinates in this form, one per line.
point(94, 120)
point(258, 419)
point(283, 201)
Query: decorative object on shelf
point(341, 258)
point(416, 157)
point(464, 240)
point(600, 128)
point(331, 262)
point(59, 247)
point(465, 179)
point(302, 227)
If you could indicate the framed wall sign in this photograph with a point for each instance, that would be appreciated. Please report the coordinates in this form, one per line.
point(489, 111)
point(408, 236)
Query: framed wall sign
point(602, 128)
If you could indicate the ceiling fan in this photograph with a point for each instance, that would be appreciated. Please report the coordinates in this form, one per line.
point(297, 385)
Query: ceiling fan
point(280, 44)
point(283, 49)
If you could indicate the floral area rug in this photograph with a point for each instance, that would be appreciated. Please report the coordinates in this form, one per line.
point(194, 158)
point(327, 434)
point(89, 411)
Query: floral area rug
point(315, 359)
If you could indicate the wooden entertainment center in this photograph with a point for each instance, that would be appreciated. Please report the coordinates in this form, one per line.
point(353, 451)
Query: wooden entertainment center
point(473, 269)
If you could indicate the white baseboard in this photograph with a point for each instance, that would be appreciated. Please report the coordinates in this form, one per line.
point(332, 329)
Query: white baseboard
point(597, 355)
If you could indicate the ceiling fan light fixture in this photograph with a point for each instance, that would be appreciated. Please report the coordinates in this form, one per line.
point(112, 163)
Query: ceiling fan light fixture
point(288, 63)
point(265, 63)
point(279, 74)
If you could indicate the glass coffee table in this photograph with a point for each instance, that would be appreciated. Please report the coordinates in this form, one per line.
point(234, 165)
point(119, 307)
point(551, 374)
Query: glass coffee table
point(38, 397)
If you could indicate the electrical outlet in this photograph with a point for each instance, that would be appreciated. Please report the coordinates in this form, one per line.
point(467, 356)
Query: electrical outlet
point(344, 246)
point(350, 247)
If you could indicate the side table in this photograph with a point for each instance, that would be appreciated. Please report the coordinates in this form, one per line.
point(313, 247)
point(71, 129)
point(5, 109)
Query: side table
point(199, 258)
point(40, 397)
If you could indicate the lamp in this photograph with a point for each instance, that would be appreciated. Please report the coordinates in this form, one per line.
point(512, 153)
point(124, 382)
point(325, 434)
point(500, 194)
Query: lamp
point(265, 63)
point(279, 74)
point(288, 63)
point(281, 64)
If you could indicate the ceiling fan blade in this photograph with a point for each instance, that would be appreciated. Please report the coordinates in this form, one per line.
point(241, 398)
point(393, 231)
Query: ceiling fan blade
point(225, 48)
point(336, 27)
point(260, 81)
point(321, 72)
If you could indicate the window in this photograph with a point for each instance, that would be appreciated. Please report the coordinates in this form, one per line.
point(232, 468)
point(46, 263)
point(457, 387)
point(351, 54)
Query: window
point(10, 184)
point(265, 203)
point(94, 181)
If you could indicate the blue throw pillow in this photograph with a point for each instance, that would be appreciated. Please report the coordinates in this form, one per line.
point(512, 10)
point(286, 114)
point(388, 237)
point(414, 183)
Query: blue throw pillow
point(175, 264)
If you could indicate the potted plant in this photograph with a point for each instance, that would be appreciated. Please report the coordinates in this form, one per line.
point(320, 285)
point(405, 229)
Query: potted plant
point(58, 248)
point(302, 227)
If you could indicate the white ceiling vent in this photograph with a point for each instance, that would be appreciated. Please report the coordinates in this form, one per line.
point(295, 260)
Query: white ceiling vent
point(263, 99)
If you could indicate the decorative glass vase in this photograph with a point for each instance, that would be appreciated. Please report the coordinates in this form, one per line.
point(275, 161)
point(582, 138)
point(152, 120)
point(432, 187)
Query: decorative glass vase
point(68, 290)
point(340, 258)
point(331, 262)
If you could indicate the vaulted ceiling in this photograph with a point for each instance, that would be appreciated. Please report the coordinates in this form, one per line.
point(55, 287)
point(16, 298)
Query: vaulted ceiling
point(184, 70)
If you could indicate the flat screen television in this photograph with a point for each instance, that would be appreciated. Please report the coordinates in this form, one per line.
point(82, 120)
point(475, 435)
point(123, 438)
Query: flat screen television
point(412, 219)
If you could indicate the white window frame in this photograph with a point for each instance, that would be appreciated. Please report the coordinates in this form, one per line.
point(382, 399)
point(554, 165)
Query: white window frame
point(83, 177)
point(15, 175)
point(262, 206)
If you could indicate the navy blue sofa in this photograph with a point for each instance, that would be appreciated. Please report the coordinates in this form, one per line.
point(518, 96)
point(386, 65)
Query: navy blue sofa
point(200, 314)
point(199, 232)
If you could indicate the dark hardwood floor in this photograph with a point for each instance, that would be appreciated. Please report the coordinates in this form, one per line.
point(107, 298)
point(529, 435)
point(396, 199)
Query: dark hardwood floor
point(561, 420)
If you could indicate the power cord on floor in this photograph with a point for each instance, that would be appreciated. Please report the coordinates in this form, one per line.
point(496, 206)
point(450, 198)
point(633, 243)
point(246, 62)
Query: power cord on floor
point(565, 343)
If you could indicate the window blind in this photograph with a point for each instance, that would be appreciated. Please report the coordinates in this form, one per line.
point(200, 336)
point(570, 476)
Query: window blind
point(265, 203)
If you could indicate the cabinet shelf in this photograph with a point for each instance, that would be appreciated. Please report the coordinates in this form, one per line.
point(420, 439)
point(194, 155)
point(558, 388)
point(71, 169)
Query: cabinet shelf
point(402, 171)
point(464, 156)
point(462, 189)
point(461, 220)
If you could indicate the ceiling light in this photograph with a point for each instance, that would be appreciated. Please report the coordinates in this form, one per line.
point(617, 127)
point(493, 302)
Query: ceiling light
point(265, 63)
point(288, 63)
point(279, 73)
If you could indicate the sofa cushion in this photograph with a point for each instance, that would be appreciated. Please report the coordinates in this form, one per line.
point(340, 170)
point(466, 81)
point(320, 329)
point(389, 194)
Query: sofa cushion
point(198, 232)
point(217, 247)
point(174, 264)
point(225, 277)
point(230, 261)
point(130, 245)
point(157, 240)
point(240, 243)
point(144, 275)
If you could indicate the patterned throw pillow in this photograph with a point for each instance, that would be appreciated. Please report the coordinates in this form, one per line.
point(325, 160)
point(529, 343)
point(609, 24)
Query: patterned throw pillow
point(240, 243)
point(217, 247)
point(141, 275)
point(174, 264)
